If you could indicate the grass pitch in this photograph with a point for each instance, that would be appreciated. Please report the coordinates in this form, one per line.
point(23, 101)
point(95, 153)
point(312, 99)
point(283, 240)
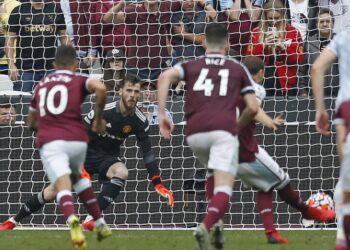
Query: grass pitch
point(164, 240)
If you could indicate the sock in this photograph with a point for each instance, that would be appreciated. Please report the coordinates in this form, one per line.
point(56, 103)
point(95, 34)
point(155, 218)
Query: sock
point(32, 205)
point(66, 203)
point(289, 195)
point(209, 187)
point(265, 208)
point(87, 197)
point(216, 209)
point(109, 192)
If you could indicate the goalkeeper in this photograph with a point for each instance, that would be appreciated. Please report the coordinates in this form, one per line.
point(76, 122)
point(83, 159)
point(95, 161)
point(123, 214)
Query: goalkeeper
point(122, 119)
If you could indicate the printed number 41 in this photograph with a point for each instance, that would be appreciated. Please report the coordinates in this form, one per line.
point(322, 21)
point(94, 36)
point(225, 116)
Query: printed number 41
point(206, 85)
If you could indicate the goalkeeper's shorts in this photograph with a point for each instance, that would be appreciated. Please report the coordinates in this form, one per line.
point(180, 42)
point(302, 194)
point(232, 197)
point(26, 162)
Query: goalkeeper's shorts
point(100, 165)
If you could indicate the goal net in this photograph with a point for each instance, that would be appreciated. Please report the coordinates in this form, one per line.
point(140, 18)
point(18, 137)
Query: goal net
point(310, 159)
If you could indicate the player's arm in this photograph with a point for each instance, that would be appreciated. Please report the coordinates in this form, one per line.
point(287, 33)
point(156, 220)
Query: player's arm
point(341, 136)
point(10, 54)
point(32, 121)
point(267, 121)
point(164, 81)
point(95, 86)
point(318, 70)
point(250, 110)
point(151, 163)
point(115, 14)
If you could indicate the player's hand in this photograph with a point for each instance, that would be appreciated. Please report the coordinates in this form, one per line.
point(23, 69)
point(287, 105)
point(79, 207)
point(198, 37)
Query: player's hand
point(163, 191)
point(99, 126)
point(165, 126)
point(13, 73)
point(322, 122)
point(279, 120)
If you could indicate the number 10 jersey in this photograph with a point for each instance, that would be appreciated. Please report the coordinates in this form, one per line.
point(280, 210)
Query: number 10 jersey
point(57, 102)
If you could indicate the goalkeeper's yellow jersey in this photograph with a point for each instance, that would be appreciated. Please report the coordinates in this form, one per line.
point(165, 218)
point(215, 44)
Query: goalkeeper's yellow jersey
point(9, 5)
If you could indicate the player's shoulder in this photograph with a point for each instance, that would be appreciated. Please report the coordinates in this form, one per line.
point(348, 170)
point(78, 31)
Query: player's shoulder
point(110, 107)
point(140, 115)
point(260, 91)
point(81, 77)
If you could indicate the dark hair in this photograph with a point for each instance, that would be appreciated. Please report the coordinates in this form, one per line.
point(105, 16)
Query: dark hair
point(130, 79)
point(65, 56)
point(216, 33)
point(326, 11)
point(254, 64)
point(6, 103)
point(5, 106)
point(108, 76)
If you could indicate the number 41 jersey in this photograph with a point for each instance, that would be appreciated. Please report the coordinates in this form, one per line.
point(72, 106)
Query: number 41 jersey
point(214, 84)
point(57, 102)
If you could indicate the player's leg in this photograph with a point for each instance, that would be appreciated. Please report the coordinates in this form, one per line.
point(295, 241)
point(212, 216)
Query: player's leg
point(116, 174)
point(340, 243)
point(35, 203)
point(265, 207)
point(345, 181)
point(259, 176)
point(218, 150)
point(113, 173)
point(83, 188)
point(56, 161)
point(272, 174)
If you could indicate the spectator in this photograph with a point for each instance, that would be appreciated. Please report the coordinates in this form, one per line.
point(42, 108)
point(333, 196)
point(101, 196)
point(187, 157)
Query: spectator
point(341, 11)
point(114, 69)
point(8, 113)
point(149, 26)
point(280, 45)
point(302, 15)
point(81, 31)
point(6, 8)
point(243, 17)
point(35, 26)
point(313, 48)
point(188, 27)
point(113, 36)
point(149, 102)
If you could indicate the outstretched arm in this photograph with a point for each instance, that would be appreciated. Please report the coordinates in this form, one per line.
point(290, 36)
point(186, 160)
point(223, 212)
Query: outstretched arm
point(323, 62)
point(267, 121)
point(153, 170)
point(165, 80)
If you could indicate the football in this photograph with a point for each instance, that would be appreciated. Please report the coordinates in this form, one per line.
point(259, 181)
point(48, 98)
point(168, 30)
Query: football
point(321, 200)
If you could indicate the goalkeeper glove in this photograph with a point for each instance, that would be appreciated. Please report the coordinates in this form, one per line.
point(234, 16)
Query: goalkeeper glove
point(163, 191)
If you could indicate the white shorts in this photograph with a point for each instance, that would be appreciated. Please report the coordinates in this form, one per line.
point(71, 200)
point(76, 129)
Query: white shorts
point(263, 174)
point(345, 166)
point(62, 157)
point(216, 150)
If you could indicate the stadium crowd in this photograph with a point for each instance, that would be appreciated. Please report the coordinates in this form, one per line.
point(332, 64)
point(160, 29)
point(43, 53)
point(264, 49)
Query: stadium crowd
point(144, 38)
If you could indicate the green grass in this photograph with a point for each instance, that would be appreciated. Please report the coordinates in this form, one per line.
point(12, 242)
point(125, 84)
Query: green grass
point(164, 240)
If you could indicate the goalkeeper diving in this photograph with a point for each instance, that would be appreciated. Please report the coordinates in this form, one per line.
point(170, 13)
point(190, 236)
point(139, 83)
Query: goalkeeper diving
point(122, 119)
